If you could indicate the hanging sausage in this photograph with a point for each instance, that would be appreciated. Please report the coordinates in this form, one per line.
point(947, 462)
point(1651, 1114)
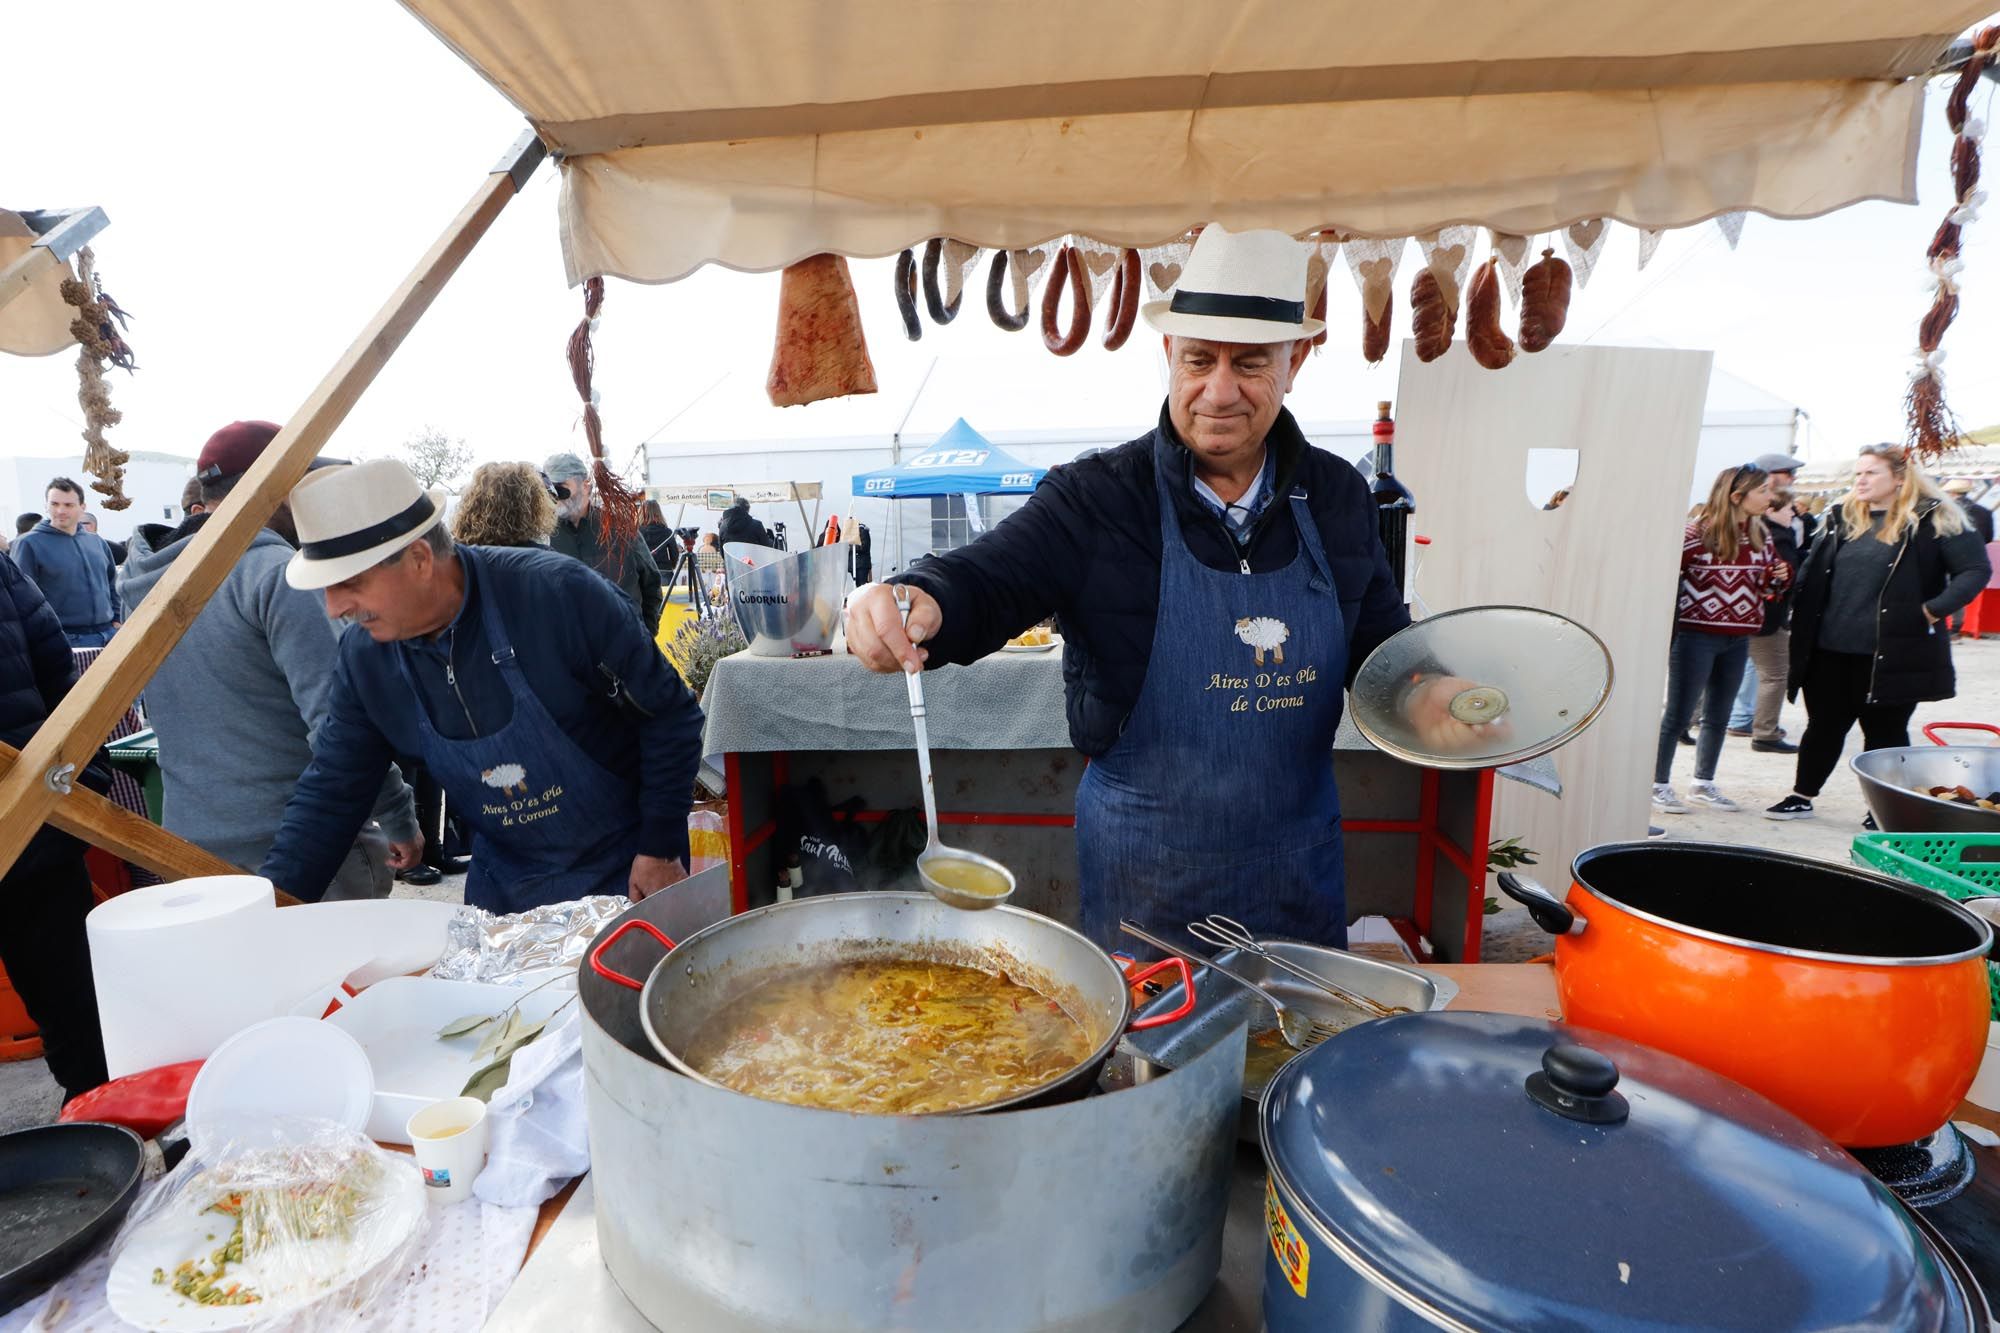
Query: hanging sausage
point(1490, 345)
point(906, 294)
point(1068, 271)
point(996, 302)
point(1544, 302)
point(1431, 317)
point(1124, 302)
point(1375, 332)
point(941, 314)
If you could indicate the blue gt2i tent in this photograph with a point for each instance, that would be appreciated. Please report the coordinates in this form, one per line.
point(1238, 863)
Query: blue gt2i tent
point(958, 469)
point(962, 462)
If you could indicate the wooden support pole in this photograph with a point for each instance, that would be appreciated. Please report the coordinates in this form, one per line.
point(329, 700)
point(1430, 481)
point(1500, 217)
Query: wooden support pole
point(127, 836)
point(47, 765)
point(19, 276)
point(62, 236)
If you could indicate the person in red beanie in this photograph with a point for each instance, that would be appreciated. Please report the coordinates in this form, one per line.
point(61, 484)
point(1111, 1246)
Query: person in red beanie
point(238, 700)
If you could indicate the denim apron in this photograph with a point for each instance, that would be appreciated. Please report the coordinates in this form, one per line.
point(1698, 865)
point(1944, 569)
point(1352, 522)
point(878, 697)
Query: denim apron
point(1218, 795)
point(549, 823)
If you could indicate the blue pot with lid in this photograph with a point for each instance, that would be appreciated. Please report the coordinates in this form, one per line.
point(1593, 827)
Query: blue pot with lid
point(1490, 1172)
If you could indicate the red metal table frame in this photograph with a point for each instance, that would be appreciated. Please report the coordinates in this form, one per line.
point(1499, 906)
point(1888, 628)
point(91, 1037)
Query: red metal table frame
point(1432, 842)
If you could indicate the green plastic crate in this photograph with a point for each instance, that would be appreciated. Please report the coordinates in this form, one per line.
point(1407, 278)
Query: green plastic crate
point(1958, 865)
point(139, 755)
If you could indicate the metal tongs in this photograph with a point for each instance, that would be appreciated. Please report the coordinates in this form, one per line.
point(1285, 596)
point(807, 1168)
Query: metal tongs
point(1227, 934)
point(1298, 1029)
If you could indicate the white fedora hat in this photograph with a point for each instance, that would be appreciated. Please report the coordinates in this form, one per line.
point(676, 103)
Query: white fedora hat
point(352, 518)
point(1239, 287)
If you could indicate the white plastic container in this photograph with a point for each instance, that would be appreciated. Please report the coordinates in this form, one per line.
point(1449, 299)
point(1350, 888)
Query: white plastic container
point(396, 1023)
point(274, 1070)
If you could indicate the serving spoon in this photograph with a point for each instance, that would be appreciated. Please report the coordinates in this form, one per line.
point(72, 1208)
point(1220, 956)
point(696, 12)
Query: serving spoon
point(954, 876)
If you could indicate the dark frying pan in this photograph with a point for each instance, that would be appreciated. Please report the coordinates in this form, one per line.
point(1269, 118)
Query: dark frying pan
point(62, 1188)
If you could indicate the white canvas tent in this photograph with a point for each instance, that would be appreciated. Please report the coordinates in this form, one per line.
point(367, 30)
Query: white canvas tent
point(767, 132)
point(710, 131)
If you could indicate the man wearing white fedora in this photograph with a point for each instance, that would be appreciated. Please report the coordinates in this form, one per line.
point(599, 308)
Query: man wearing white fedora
point(520, 679)
point(1218, 580)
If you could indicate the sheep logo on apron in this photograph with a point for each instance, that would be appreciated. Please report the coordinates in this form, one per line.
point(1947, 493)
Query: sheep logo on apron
point(1266, 635)
point(509, 778)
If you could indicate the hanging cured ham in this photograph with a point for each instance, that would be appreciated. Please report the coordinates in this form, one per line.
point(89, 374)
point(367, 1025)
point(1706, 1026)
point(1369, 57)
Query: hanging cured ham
point(821, 351)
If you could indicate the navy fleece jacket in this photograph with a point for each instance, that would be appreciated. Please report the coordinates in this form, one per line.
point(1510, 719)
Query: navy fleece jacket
point(565, 620)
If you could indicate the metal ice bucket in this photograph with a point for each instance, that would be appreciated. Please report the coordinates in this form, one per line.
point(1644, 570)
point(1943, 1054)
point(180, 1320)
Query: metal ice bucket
point(788, 602)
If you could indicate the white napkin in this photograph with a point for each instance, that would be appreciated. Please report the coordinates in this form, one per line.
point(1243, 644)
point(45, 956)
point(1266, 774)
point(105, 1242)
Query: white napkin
point(537, 1132)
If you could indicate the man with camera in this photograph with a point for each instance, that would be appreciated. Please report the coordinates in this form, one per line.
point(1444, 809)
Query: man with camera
point(580, 533)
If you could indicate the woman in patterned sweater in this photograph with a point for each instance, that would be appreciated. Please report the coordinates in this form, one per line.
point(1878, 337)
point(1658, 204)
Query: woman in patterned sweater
point(1727, 564)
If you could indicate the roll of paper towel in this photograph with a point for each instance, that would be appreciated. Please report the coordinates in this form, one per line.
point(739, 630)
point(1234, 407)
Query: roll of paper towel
point(180, 967)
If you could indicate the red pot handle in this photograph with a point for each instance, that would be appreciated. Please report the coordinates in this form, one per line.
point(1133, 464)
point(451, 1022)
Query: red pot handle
point(1931, 730)
point(599, 966)
point(1187, 988)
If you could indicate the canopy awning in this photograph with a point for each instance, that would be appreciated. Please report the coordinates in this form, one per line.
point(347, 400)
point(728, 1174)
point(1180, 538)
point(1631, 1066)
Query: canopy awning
point(767, 132)
point(962, 462)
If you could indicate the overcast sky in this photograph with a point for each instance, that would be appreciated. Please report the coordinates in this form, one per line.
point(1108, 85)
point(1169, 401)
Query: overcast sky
point(272, 172)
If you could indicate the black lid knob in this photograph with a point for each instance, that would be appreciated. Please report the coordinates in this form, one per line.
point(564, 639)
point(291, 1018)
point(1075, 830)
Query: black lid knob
point(1578, 1083)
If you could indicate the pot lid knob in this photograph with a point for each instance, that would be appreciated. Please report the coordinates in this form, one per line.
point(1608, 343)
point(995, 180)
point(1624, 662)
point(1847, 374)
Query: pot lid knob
point(1480, 703)
point(1578, 1083)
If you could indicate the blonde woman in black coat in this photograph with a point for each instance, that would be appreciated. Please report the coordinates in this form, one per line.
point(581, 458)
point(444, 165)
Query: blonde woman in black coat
point(1871, 634)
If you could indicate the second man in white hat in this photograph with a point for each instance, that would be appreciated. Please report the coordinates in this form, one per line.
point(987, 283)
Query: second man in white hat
point(519, 677)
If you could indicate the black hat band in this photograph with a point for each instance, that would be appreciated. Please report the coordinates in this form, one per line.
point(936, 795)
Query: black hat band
point(1226, 305)
point(375, 534)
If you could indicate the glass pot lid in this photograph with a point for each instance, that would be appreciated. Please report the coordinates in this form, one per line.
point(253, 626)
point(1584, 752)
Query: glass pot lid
point(1481, 687)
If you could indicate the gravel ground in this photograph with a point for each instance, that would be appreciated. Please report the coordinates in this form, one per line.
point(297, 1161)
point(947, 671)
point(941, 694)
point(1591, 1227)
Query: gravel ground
point(1754, 780)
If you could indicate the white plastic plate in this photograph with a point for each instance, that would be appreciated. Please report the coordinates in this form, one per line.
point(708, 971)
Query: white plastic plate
point(185, 1233)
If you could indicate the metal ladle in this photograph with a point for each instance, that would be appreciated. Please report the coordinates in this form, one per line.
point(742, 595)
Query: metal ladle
point(1298, 1029)
point(936, 856)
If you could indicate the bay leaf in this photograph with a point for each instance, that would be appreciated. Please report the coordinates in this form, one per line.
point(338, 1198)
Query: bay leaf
point(499, 1034)
point(462, 1027)
point(489, 1080)
point(520, 1039)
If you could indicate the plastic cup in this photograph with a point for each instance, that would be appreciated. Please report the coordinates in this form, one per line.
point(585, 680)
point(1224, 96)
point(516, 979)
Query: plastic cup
point(450, 1142)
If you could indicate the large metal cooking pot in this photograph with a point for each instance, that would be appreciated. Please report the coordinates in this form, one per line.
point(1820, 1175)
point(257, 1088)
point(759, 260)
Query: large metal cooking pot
point(705, 973)
point(727, 1214)
point(1483, 1171)
point(1855, 1001)
point(1892, 781)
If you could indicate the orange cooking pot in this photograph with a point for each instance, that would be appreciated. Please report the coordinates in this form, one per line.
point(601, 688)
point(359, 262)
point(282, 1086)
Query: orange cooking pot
point(1857, 1002)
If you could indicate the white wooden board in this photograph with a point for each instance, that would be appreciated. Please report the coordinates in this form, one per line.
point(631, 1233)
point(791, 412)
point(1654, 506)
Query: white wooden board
point(1608, 558)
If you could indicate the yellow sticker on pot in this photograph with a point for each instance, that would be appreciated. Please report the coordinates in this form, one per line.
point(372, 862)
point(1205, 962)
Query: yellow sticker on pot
point(1287, 1245)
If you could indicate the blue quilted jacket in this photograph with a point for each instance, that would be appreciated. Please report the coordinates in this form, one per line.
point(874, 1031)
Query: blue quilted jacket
point(36, 669)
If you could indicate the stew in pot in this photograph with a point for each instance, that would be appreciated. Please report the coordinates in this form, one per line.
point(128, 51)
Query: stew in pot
point(888, 1037)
